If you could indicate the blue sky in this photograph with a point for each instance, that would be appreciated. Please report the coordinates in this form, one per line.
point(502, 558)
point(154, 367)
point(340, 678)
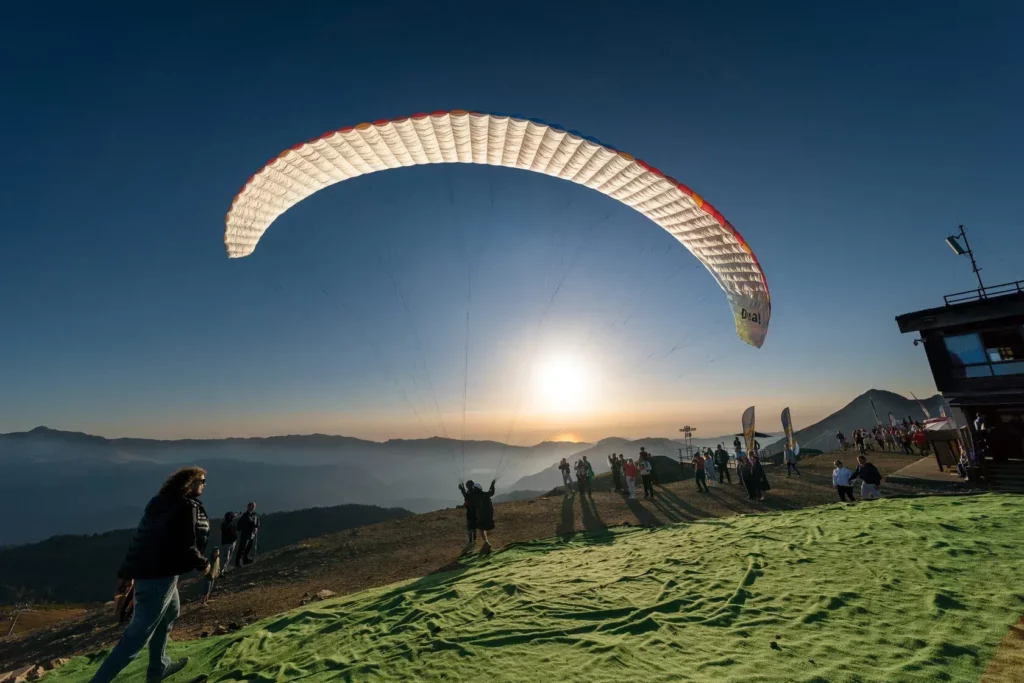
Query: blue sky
point(843, 140)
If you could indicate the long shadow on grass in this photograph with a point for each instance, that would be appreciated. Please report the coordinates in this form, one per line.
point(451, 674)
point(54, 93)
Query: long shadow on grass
point(730, 502)
point(567, 524)
point(591, 517)
point(672, 514)
point(643, 515)
point(684, 508)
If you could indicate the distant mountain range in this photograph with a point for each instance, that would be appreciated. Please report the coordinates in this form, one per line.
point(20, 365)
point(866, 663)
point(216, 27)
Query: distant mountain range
point(57, 482)
point(69, 482)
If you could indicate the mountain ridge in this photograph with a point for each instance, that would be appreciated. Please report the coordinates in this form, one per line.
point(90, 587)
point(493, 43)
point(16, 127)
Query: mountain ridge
point(315, 438)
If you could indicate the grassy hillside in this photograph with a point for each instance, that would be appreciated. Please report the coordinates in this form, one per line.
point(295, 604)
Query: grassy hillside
point(894, 590)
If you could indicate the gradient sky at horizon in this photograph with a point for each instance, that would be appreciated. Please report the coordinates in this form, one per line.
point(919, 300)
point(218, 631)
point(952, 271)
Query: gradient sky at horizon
point(844, 141)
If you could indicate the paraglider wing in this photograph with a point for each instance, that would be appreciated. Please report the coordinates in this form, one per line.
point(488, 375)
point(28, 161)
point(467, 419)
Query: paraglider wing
point(498, 140)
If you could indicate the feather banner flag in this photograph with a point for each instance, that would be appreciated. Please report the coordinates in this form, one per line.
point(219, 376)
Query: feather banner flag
point(748, 428)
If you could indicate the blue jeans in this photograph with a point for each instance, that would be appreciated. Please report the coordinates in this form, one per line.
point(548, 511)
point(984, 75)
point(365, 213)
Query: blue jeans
point(156, 608)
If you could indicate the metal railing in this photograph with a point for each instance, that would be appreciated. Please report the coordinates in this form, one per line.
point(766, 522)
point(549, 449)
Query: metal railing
point(985, 292)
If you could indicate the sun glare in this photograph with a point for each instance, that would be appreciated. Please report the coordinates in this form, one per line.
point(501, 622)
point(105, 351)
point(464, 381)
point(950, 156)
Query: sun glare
point(563, 385)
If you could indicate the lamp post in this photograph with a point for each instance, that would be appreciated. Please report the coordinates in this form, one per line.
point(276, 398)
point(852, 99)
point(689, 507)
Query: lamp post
point(687, 434)
point(960, 249)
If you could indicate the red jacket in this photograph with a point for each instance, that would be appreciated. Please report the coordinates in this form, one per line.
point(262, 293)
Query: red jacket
point(630, 469)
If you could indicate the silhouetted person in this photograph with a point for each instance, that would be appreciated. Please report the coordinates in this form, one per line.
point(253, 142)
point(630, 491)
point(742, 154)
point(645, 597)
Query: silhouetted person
point(169, 541)
point(484, 513)
point(737, 446)
point(722, 465)
point(613, 462)
point(248, 527)
point(228, 538)
point(646, 473)
point(790, 458)
point(469, 502)
point(566, 476)
point(699, 473)
point(629, 469)
point(758, 479)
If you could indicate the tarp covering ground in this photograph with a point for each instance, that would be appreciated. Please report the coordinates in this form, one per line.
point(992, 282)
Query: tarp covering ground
point(891, 590)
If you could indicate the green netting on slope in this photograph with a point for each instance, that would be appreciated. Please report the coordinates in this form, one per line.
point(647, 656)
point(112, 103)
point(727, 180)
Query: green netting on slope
point(892, 590)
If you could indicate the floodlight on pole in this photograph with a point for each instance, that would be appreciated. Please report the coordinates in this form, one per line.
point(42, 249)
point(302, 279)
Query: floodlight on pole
point(960, 249)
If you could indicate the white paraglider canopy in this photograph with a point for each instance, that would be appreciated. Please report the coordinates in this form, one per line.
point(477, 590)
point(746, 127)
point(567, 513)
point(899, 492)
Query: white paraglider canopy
point(527, 144)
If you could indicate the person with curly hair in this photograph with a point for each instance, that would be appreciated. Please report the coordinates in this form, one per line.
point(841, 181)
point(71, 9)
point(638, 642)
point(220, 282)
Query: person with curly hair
point(169, 541)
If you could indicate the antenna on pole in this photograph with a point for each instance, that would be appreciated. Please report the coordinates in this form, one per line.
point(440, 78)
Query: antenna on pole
point(687, 435)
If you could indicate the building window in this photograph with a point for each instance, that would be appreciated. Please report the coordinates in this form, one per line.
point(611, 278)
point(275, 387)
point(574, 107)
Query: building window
point(984, 354)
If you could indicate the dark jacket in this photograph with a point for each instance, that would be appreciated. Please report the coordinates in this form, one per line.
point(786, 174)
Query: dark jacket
point(760, 479)
point(248, 524)
point(228, 532)
point(721, 458)
point(484, 508)
point(469, 502)
point(170, 540)
point(869, 474)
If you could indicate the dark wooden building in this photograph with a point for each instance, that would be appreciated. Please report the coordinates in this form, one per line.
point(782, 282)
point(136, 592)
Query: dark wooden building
point(975, 347)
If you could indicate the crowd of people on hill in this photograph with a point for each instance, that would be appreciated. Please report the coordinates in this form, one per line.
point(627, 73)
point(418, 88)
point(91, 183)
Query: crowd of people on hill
point(625, 472)
point(902, 437)
point(171, 540)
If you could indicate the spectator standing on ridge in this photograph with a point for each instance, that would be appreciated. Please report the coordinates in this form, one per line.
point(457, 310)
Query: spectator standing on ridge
point(646, 471)
point(870, 479)
point(483, 507)
point(485, 514)
point(921, 441)
point(841, 438)
point(630, 471)
point(737, 445)
point(613, 462)
point(858, 438)
point(709, 466)
point(248, 527)
point(469, 502)
point(700, 474)
point(580, 470)
point(566, 476)
point(722, 465)
point(907, 441)
point(228, 537)
point(841, 480)
point(742, 466)
point(759, 479)
point(588, 476)
point(790, 458)
point(169, 541)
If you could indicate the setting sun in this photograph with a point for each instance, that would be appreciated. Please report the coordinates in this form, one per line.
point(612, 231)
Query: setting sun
point(563, 385)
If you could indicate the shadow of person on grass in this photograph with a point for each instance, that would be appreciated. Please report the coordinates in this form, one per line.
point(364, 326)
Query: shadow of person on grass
point(686, 509)
point(591, 517)
point(567, 524)
point(642, 514)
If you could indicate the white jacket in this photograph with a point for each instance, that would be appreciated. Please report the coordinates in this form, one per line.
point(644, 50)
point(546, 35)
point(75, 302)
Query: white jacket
point(841, 476)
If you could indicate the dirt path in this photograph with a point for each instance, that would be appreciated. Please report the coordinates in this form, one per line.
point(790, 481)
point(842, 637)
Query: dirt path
point(1007, 666)
point(404, 549)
